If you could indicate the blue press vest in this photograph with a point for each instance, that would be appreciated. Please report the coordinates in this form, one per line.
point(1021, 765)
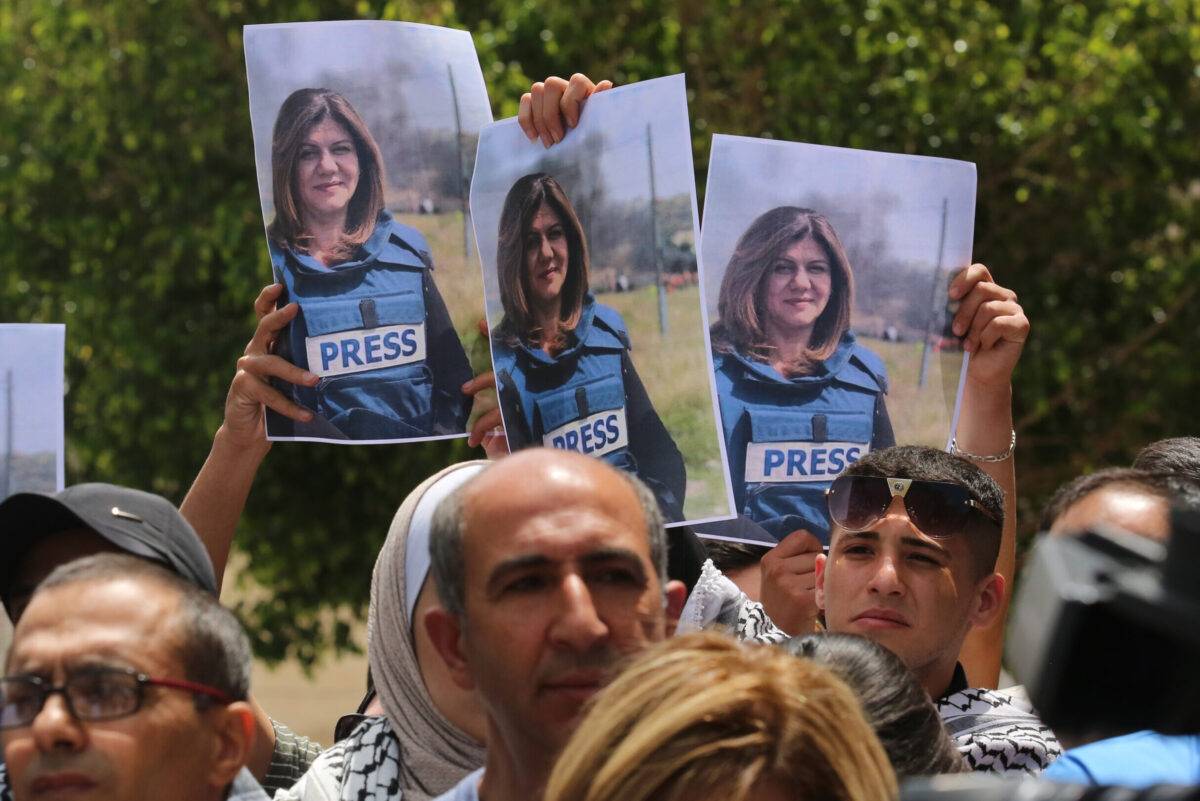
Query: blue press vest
point(361, 327)
point(787, 439)
point(575, 400)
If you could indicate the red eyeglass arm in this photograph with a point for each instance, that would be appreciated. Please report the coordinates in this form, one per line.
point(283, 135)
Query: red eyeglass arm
point(190, 686)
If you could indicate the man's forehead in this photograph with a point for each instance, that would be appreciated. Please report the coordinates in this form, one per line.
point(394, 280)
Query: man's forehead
point(563, 533)
point(73, 644)
point(1125, 506)
point(505, 495)
point(123, 620)
point(541, 471)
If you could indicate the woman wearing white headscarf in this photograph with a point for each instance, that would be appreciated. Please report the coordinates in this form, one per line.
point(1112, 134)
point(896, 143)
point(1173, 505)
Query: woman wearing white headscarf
point(423, 744)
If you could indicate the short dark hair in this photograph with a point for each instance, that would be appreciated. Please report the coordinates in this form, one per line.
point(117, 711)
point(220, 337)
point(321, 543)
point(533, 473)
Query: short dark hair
point(1175, 488)
point(447, 555)
point(929, 464)
point(895, 703)
point(727, 555)
point(213, 647)
point(1173, 455)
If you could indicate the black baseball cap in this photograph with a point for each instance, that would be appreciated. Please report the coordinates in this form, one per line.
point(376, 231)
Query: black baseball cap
point(136, 522)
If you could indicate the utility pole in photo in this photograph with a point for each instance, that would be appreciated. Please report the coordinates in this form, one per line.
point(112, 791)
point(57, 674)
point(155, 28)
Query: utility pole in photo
point(658, 274)
point(462, 180)
point(934, 304)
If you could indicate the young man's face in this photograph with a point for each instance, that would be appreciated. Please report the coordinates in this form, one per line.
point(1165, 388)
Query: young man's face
point(915, 595)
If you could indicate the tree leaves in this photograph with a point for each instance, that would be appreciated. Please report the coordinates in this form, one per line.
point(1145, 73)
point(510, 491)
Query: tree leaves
point(128, 210)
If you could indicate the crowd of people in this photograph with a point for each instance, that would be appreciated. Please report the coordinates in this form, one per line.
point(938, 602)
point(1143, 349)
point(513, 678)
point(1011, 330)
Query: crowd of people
point(535, 632)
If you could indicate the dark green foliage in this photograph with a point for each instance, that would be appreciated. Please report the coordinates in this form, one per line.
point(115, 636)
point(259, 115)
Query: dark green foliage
point(128, 210)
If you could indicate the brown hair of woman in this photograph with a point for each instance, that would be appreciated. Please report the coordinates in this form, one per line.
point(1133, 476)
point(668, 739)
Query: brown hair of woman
point(521, 204)
point(742, 301)
point(703, 716)
point(304, 110)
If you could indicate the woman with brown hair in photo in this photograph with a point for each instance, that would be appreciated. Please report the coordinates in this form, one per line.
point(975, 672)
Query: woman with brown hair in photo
point(800, 398)
point(563, 370)
point(703, 716)
point(372, 328)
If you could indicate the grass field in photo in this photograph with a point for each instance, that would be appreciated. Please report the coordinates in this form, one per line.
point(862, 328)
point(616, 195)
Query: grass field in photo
point(920, 414)
point(674, 369)
point(455, 273)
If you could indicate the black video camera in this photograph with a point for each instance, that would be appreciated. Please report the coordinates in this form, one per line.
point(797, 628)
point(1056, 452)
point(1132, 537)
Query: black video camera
point(1105, 634)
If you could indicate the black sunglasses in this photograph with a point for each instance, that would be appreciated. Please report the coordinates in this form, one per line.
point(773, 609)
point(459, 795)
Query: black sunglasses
point(938, 508)
point(100, 693)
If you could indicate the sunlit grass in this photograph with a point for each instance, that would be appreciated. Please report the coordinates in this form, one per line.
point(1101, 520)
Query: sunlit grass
point(457, 277)
point(674, 369)
point(920, 415)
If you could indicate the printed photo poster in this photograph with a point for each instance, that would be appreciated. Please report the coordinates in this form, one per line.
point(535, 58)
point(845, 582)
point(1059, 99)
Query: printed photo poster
point(31, 408)
point(826, 283)
point(595, 300)
point(364, 138)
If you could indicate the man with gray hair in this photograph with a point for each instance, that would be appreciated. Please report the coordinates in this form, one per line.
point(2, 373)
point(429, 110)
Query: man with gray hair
point(125, 682)
point(40, 532)
point(551, 566)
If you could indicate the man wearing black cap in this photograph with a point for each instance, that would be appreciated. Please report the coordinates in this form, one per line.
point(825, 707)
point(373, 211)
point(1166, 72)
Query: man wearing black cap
point(40, 532)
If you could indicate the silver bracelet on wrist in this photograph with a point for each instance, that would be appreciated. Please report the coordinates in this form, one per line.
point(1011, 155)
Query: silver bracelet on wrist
point(990, 457)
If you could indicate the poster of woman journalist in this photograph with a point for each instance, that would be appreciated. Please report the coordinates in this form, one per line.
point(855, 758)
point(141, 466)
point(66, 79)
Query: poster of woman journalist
point(827, 291)
point(363, 137)
point(594, 297)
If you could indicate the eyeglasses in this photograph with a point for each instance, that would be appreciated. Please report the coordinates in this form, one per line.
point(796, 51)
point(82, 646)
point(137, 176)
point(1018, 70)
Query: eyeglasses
point(101, 693)
point(938, 508)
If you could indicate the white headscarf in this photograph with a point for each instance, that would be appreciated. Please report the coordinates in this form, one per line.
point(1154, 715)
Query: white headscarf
point(434, 755)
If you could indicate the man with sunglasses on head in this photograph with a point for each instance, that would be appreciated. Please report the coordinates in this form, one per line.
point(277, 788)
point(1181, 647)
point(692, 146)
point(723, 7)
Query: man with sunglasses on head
point(126, 682)
point(993, 328)
point(911, 565)
point(923, 545)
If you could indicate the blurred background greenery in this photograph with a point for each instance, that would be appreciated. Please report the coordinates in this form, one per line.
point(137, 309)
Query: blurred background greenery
point(128, 210)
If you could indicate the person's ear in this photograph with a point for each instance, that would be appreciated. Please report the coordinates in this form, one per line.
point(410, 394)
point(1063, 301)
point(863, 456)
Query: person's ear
point(446, 633)
point(819, 567)
point(234, 740)
point(989, 600)
point(676, 596)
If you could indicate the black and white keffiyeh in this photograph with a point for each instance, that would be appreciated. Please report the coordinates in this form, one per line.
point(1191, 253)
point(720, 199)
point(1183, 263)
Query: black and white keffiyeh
point(363, 767)
point(368, 762)
point(998, 731)
point(716, 602)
